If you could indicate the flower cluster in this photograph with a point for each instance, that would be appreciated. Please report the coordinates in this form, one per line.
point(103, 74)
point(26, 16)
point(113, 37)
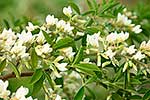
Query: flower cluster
point(19, 95)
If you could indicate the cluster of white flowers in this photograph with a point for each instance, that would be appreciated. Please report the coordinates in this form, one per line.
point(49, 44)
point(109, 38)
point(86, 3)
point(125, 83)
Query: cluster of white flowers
point(19, 95)
point(68, 52)
point(117, 37)
point(109, 53)
point(93, 40)
point(60, 66)
point(61, 25)
point(123, 20)
point(67, 11)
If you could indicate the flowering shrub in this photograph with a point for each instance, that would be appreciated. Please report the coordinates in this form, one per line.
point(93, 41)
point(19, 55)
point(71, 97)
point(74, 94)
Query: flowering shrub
point(67, 58)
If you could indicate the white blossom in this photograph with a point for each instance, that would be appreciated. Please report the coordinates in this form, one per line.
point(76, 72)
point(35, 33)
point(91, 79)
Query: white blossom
point(68, 52)
point(137, 29)
point(138, 56)
point(25, 37)
point(67, 11)
point(110, 53)
point(68, 28)
point(43, 50)
point(31, 27)
point(122, 19)
point(21, 94)
point(40, 38)
point(58, 97)
point(93, 40)
point(51, 20)
point(117, 37)
point(145, 46)
point(7, 39)
point(19, 50)
point(60, 24)
point(131, 50)
point(79, 33)
point(4, 93)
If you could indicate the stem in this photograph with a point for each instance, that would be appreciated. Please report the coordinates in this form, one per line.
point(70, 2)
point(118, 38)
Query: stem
point(12, 75)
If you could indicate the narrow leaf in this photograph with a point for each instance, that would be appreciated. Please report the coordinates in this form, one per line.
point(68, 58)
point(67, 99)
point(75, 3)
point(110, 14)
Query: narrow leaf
point(2, 65)
point(79, 56)
point(47, 37)
point(38, 85)
point(75, 7)
point(34, 58)
point(36, 76)
point(65, 42)
point(79, 95)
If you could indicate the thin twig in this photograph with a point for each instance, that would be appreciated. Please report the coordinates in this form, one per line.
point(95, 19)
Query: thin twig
point(12, 75)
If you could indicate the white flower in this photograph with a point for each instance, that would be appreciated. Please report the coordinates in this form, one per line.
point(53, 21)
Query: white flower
point(137, 29)
point(51, 20)
point(93, 40)
point(68, 28)
point(67, 11)
point(60, 24)
point(4, 93)
point(31, 27)
point(122, 19)
point(68, 52)
point(61, 66)
point(25, 37)
point(138, 56)
point(7, 39)
point(21, 94)
point(58, 97)
point(122, 36)
point(19, 51)
point(110, 53)
point(111, 37)
point(43, 50)
point(131, 50)
point(115, 37)
point(40, 38)
point(145, 46)
point(80, 33)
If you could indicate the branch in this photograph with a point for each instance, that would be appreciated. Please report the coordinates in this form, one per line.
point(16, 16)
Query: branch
point(12, 75)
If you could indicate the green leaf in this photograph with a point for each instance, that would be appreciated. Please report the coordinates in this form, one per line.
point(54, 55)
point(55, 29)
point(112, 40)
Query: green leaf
point(34, 58)
point(38, 85)
point(116, 96)
point(89, 4)
point(135, 97)
point(91, 30)
point(36, 31)
point(91, 92)
point(2, 65)
point(15, 70)
point(79, 95)
point(50, 81)
point(65, 42)
point(88, 12)
point(146, 95)
point(79, 56)
point(89, 22)
point(36, 76)
point(75, 7)
point(91, 79)
point(108, 6)
point(6, 23)
point(47, 37)
point(87, 68)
